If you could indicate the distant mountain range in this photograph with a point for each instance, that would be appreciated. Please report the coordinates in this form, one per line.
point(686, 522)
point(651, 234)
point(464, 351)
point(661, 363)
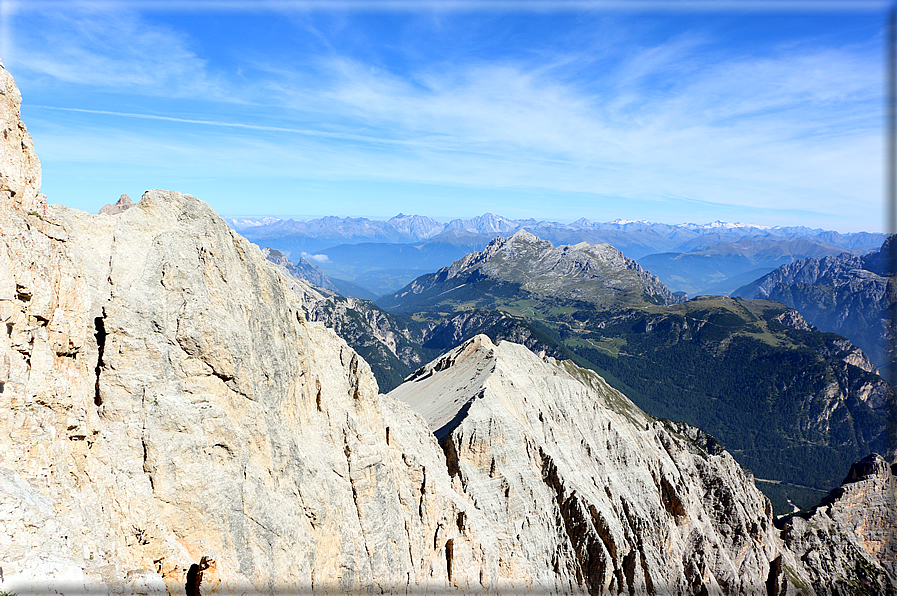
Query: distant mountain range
point(626, 235)
point(511, 269)
point(380, 256)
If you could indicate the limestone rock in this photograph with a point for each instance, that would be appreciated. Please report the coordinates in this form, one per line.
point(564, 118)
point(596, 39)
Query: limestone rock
point(586, 488)
point(20, 174)
point(166, 406)
point(219, 423)
point(849, 542)
point(123, 204)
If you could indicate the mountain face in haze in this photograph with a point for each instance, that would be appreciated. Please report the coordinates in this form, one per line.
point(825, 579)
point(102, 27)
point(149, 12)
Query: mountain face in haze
point(711, 258)
point(302, 269)
point(715, 266)
point(846, 294)
point(633, 238)
point(524, 264)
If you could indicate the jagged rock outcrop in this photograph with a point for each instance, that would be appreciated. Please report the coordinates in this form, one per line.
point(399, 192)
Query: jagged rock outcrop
point(620, 502)
point(583, 482)
point(598, 274)
point(849, 542)
point(123, 204)
point(303, 269)
point(846, 294)
point(20, 174)
point(203, 416)
point(165, 401)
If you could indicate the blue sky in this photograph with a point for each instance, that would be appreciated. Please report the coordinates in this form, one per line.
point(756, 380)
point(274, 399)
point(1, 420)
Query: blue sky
point(761, 112)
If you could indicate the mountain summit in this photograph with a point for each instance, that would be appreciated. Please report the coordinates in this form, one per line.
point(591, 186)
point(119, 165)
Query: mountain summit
point(598, 274)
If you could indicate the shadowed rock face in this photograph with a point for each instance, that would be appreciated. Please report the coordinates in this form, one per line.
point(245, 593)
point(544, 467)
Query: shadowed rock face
point(849, 542)
point(172, 424)
point(846, 294)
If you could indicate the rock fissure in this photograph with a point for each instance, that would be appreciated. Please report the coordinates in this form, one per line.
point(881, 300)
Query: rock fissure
point(100, 336)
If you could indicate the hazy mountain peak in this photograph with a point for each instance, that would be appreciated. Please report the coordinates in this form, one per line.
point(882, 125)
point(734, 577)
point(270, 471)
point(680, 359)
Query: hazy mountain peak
point(596, 273)
point(525, 236)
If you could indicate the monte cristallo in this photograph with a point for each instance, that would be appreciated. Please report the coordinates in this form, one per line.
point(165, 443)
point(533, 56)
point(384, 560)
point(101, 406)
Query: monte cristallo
point(173, 424)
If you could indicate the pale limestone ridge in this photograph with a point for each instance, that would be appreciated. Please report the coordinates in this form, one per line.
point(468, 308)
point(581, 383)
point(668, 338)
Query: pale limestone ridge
point(123, 204)
point(20, 174)
point(623, 503)
point(165, 404)
point(580, 479)
point(212, 420)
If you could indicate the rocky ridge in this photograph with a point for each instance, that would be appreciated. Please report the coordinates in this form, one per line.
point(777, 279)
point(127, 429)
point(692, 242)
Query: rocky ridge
point(302, 269)
point(598, 274)
point(856, 522)
point(846, 294)
point(123, 204)
point(552, 451)
point(173, 424)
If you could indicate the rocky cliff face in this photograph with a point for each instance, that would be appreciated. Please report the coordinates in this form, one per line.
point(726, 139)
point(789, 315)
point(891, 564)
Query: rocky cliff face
point(193, 412)
point(845, 294)
point(173, 424)
point(849, 542)
point(123, 204)
point(166, 406)
point(618, 502)
point(585, 483)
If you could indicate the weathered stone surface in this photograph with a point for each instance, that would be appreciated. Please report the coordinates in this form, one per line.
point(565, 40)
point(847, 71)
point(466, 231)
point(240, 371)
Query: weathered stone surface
point(587, 489)
point(165, 401)
point(849, 543)
point(123, 204)
point(571, 472)
point(20, 174)
point(219, 423)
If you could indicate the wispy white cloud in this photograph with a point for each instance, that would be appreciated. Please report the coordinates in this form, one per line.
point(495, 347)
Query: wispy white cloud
point(646, 121)
point(111, 49)
point(320, 258)
point(224, 124)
